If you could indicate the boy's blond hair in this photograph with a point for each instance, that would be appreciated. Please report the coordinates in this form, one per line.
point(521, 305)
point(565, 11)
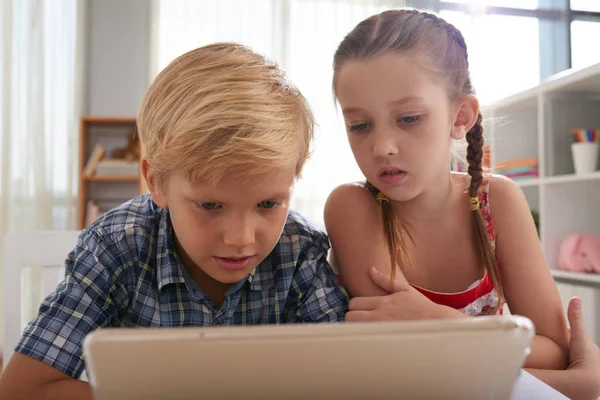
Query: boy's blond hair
point(223, 109)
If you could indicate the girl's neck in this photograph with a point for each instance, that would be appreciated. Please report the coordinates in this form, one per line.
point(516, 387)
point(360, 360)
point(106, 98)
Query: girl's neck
point(433, 204)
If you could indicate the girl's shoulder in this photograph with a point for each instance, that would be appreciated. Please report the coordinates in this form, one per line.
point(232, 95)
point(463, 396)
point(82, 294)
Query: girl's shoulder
point(491, 182)
point(496, 195)
point(351, 197)
point(351, 205)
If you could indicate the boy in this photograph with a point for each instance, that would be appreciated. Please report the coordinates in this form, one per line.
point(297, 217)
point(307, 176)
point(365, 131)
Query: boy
point(224, 136)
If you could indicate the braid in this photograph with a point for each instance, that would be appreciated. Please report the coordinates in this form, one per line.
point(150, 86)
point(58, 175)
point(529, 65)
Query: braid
point(475, 156)
point(480, 234)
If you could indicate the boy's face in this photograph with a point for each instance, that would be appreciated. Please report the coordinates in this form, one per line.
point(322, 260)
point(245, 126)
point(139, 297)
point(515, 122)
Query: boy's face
point(226, 230)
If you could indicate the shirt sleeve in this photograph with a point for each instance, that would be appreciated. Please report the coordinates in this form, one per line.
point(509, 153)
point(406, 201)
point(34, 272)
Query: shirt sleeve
point(316, 290)
point(81, 303)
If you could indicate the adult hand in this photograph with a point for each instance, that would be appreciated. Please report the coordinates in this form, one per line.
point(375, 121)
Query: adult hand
point(584, 355)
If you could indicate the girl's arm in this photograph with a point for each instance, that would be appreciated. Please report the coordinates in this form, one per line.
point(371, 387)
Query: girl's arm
point(353, 223)
point(528, 286)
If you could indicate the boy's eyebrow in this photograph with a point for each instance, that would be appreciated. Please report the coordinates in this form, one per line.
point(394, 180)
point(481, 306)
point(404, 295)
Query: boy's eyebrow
point(272, 196)
point(279, 195)
point(351, 110)
point(403, 100)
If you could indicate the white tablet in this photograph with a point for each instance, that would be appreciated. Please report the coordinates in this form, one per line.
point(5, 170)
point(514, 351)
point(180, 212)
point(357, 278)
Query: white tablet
point(471, 358)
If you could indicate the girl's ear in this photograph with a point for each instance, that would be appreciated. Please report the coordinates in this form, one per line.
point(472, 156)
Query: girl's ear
point(465, 116)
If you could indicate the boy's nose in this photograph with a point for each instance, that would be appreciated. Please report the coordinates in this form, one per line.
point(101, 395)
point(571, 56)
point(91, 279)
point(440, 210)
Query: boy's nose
point(241, 236)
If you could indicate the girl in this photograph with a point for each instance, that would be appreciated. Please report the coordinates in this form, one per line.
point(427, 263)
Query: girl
point(465, 243)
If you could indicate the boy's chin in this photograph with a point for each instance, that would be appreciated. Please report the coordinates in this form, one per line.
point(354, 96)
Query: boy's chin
point(227, 276)
point(230, 277)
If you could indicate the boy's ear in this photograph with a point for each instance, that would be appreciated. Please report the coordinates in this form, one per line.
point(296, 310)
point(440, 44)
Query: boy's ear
point(156, 188)
point(465, 116)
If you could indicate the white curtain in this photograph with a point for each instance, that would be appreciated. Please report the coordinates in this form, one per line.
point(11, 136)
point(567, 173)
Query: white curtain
point(302, 36)
point(40, 102)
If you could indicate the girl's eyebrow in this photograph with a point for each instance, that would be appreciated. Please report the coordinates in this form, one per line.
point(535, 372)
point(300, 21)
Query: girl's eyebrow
point(401, 101)
point(407, 99)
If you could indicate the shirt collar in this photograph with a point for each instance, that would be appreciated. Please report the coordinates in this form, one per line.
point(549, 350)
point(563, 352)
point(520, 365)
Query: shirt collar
point(263, 276)
point(169, 265)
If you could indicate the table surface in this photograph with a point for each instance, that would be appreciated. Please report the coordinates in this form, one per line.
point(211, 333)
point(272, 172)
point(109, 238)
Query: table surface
point(528, 387)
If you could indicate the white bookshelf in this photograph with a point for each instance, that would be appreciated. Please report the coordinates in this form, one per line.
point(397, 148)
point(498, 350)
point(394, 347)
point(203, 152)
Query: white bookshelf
point(581, 279)
point(536, 123)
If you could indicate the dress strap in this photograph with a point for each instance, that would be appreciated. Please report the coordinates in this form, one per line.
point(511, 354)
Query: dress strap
point(484, 207)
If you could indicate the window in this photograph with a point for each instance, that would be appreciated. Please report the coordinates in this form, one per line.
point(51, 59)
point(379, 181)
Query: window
point(500, 64)
point(585, 5)
point(525, 4)
point(584, 43)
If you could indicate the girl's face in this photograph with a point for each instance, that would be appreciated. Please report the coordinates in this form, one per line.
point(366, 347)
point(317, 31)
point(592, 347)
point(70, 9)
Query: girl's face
point(400, 123)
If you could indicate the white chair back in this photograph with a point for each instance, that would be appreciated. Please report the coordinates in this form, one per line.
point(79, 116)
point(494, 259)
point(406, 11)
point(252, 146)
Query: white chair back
point(21, 250)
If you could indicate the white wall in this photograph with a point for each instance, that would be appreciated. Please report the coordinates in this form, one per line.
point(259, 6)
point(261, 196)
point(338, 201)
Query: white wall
point(118, 56)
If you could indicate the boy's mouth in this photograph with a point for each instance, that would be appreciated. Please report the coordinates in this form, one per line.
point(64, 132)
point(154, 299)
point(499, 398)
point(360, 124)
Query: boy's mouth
point(233, 263)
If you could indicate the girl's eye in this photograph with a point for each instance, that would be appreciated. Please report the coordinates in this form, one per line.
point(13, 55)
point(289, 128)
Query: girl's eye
point(410, 119)
point(360, 127)
point(208, 206)
point(267, 204)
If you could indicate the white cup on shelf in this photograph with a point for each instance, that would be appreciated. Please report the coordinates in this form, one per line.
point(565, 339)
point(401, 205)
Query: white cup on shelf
point(585, 157)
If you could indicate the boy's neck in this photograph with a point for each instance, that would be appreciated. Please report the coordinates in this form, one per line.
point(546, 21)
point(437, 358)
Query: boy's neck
point(212, 289)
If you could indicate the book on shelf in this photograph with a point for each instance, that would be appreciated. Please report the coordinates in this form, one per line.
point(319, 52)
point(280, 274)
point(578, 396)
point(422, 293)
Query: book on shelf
point(519, 163)
point(95, 157)
point(519, 169)
point(114, 167)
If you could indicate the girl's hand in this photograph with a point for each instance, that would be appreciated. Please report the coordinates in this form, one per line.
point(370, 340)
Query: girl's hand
point(403, 303)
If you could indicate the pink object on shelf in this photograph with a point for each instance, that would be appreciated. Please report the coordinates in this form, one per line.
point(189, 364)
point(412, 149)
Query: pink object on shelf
point(580, 252)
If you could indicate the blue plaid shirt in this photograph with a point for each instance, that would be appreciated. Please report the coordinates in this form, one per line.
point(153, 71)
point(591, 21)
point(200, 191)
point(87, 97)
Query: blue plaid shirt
point(125, 272)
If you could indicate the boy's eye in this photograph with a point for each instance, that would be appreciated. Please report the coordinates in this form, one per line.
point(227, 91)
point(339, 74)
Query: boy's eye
point(267, 204)
point(360, 127)
point(410, 119)
point(208, 206)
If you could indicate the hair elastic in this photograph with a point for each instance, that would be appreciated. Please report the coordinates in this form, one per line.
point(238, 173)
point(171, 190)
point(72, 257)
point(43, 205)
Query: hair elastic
point(381, 198)
point(474, 203)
